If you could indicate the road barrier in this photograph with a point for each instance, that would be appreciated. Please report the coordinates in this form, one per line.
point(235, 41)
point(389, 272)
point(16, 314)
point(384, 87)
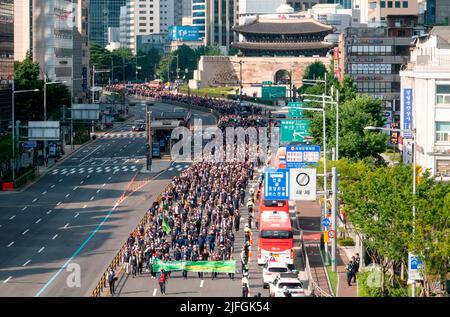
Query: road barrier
point(313, 288)
point(132, 187)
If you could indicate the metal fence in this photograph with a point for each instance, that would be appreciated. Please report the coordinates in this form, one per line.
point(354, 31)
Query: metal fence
point(313, 289)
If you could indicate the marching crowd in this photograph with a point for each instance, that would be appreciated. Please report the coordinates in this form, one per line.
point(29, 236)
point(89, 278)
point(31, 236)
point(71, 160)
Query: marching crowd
point(198, 214)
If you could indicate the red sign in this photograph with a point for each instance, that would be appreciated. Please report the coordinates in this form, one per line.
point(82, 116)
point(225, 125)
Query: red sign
point(332, 234)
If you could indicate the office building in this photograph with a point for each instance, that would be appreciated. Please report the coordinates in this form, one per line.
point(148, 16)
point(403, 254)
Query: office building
point(145, 17)
point(46, 29)
point(379, 10)
point(425, 100)
point(6, 61)
point(102, 15)
point(220, 19)
point(199, 16)
point(438, 12)
point(81, 52)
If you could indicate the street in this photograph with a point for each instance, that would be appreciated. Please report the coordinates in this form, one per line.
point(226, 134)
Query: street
point(69, 216)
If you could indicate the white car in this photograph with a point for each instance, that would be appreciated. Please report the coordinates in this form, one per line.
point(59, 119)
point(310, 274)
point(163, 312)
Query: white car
point(288, 280)
point(272, 270)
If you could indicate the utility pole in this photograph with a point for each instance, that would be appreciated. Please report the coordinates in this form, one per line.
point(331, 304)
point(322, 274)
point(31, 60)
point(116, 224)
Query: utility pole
point(93, 84)
point(178, 66)
point(325, 196)
point(337, 125)
point(148, 116)
point(334, 216)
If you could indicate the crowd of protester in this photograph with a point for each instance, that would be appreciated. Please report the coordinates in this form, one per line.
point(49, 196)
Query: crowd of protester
point(198, 214)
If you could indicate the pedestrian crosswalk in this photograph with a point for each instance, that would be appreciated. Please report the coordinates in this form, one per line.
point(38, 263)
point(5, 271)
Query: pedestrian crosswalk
point(121, 135)
point(94, 170)
point(178, 167)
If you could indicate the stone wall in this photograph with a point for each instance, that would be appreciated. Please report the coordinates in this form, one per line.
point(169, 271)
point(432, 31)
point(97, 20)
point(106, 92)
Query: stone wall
point(225, 70)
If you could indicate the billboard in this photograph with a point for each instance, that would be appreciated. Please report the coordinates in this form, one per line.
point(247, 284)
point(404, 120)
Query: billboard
point(273, 92)
point(183, 33)
point(43, 130)
point(85, 111)
point(407, 112)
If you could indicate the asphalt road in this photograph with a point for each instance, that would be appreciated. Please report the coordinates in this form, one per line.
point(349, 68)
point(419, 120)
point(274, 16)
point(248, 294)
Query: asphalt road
point(70, 222)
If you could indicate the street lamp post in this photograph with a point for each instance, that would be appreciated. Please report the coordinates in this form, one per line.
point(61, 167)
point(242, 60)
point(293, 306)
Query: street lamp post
point(13, 125)
point(414, 136)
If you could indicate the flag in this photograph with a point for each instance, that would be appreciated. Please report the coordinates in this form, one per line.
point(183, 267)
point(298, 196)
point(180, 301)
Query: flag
point(166, 226)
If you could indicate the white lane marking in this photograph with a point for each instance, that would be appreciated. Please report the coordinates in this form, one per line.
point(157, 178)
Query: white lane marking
point(60, 180)
point(25, 232)
point(92, 198)
point(154, 291)
point(67, 195)
point(201, 283)
point(53, 186)
point(6, 281)
point(45, 192)
point(85, 206)
point(41, 249)
point(49, 212)
point(104, 185)
point(39, 220)
point(77, 215)
point(65, 227)
point(81, 183)
point(59, 203)
point(24, 208)
point(98, 191)
point(12, 217)
point(75, 188)
point(54, 237)
point(34, 200)
point(9, 245)
point(109, 178)
point(88, 176)
point(26, 263)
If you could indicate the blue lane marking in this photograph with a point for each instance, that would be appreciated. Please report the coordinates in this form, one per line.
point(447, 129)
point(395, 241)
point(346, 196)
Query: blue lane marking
point(76, 253)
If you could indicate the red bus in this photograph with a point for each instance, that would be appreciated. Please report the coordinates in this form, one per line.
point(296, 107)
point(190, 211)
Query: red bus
point(273, 205)
point(276, 238)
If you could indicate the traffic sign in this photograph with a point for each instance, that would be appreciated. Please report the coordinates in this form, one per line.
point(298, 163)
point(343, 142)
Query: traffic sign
point(294, 130)
point(267, 82)
point(332, 234)
point(293, 111)
point(276, 184)
point(29, 144)
point(326, 222)
point(415, 265)
point(300, 155)
point(273, 92)
point(303, 184)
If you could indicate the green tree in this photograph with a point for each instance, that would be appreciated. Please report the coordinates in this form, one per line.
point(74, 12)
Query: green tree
point(355, 143)
point(316, 70)
point(147, 63)
point(26, 73)
point(379, 203)
point(431, 240)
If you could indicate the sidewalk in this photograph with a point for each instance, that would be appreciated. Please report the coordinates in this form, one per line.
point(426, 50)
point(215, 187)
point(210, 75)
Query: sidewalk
point(343, 290)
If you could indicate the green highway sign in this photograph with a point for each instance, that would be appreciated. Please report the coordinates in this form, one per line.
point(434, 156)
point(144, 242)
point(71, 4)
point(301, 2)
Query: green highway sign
point(273, 92)
point(268, 82)
point(294, 130)
point(293, 112)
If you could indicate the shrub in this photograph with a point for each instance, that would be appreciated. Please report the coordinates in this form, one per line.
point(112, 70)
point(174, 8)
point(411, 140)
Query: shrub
point(347, 242)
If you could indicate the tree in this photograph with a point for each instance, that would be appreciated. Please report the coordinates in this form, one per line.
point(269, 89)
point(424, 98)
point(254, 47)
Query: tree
point(379, 203)
point(431, 240)
point(355, 142)
point(26, 73)
point(150, 59)
point(315, 70)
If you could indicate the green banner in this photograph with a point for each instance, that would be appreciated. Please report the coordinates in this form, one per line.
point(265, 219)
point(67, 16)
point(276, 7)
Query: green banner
point(199, 266)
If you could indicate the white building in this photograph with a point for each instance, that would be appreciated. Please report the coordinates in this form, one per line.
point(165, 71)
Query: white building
point(145, 17)
point(425, 85)
point(257, 7)
point(49, 37)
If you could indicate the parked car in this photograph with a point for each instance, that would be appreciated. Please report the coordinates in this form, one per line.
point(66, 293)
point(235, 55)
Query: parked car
point(288, 280)
point(272, 270)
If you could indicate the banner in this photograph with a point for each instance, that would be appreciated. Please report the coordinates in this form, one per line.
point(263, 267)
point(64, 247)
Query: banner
point(199, 266)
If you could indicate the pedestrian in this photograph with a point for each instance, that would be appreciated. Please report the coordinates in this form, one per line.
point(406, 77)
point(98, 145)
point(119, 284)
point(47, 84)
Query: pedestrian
point(245, 285)
point(126, 261)
point(349, 272)
point(237, 220)
point(162, 281)
point(133, 264)
point(357, 262)
point(111, 280)
point(354, 269)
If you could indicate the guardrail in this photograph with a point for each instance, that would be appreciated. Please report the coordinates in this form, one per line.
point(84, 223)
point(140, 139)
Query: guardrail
point(102, 284)
point(25, 178)
point(313, 288)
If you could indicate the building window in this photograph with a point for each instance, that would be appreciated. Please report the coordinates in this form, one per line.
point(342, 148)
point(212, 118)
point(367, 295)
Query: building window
point(383, 4)
point(443, 132)
point(397, 4)
point(405, 4)
point(443, 94)
point(389, 4)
